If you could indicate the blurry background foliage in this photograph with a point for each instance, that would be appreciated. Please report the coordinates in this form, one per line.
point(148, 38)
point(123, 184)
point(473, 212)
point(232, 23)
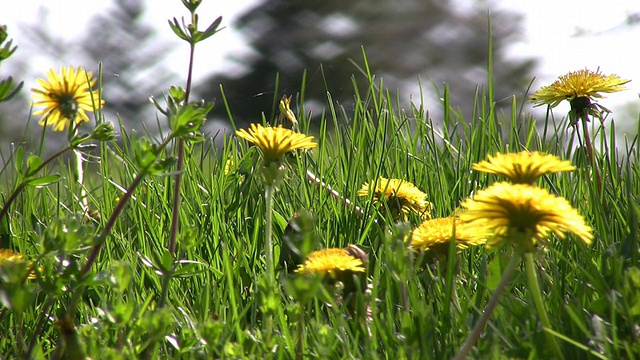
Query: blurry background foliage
point(435, 39)
point(438, 40)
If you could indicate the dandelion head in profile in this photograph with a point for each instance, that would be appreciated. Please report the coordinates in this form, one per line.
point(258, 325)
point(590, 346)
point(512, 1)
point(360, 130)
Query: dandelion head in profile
point(523, 215)
point(275, 142)
point(436, 234)
point(7, 255)
point(398, 196)
point(580, 88)
point(285, 110)
point(523, 167)
point(66, 97)
point(331, 262)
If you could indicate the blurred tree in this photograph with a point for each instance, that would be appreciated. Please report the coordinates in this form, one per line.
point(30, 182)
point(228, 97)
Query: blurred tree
point(131, 60)
point(436, 39)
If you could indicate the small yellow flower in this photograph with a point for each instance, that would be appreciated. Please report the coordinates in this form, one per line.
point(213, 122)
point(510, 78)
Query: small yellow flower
point(437, 232)
point(401, 196)
point(8, 256)
point(66, 98)
point(523, 167)
point(285, 110)
point(230, 164)
point(523, 214)
point(332, 262)
point(275, 142)
point(578, 84)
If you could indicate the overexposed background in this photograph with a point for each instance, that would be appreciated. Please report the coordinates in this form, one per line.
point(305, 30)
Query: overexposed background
point(563, 35)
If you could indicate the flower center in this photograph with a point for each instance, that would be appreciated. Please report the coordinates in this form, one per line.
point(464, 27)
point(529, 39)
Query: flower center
point(67, 105)
point(580, 106)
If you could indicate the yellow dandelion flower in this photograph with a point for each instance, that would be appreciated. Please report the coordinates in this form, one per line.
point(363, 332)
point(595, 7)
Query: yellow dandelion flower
point(401, 196)
point(522, 213)
point(275, 142)
point(66, 97)
point(578, 84)
point(285, 110)
point(330, 261)
point(435, 233)
point(523, 167)
point(8, 256)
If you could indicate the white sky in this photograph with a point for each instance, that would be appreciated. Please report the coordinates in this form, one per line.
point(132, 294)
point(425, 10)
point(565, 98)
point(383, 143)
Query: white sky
point(68, 18)
point(550, 29)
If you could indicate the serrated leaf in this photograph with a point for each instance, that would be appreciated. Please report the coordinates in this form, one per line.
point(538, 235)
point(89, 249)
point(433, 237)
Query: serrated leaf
point(189, 118)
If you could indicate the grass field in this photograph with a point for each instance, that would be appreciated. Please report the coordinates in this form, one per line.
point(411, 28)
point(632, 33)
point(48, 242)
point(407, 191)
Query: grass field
point(121, 267)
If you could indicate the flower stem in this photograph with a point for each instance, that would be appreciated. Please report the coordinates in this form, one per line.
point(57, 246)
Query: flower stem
point(534, 289)
point(491, 305)
point(268, 232)
point(587, 143)
point(269, 190)
point(177, 186)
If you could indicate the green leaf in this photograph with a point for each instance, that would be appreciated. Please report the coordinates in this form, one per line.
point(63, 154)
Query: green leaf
point(120, 312)
point(189, 268)
point(192, 5)
point(175, 26)
point(43, 181)
point(212, 29)
point(5, 231)
point(33, 165)
point(3, 33)
point(177, 93)
point(302, 288)
point(120, 276)
point(600, 306)
point(8, 89)
point(632, 290)
point(18, 163)
point(6, 51)
point(189, 118)
point(162, 262)
point(495, 272)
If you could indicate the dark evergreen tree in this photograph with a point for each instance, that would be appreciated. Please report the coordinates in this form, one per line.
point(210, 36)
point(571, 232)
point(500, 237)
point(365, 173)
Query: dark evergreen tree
point(403, 39)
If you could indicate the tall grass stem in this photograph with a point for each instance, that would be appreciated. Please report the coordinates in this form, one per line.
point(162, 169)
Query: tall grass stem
point(534, 289)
